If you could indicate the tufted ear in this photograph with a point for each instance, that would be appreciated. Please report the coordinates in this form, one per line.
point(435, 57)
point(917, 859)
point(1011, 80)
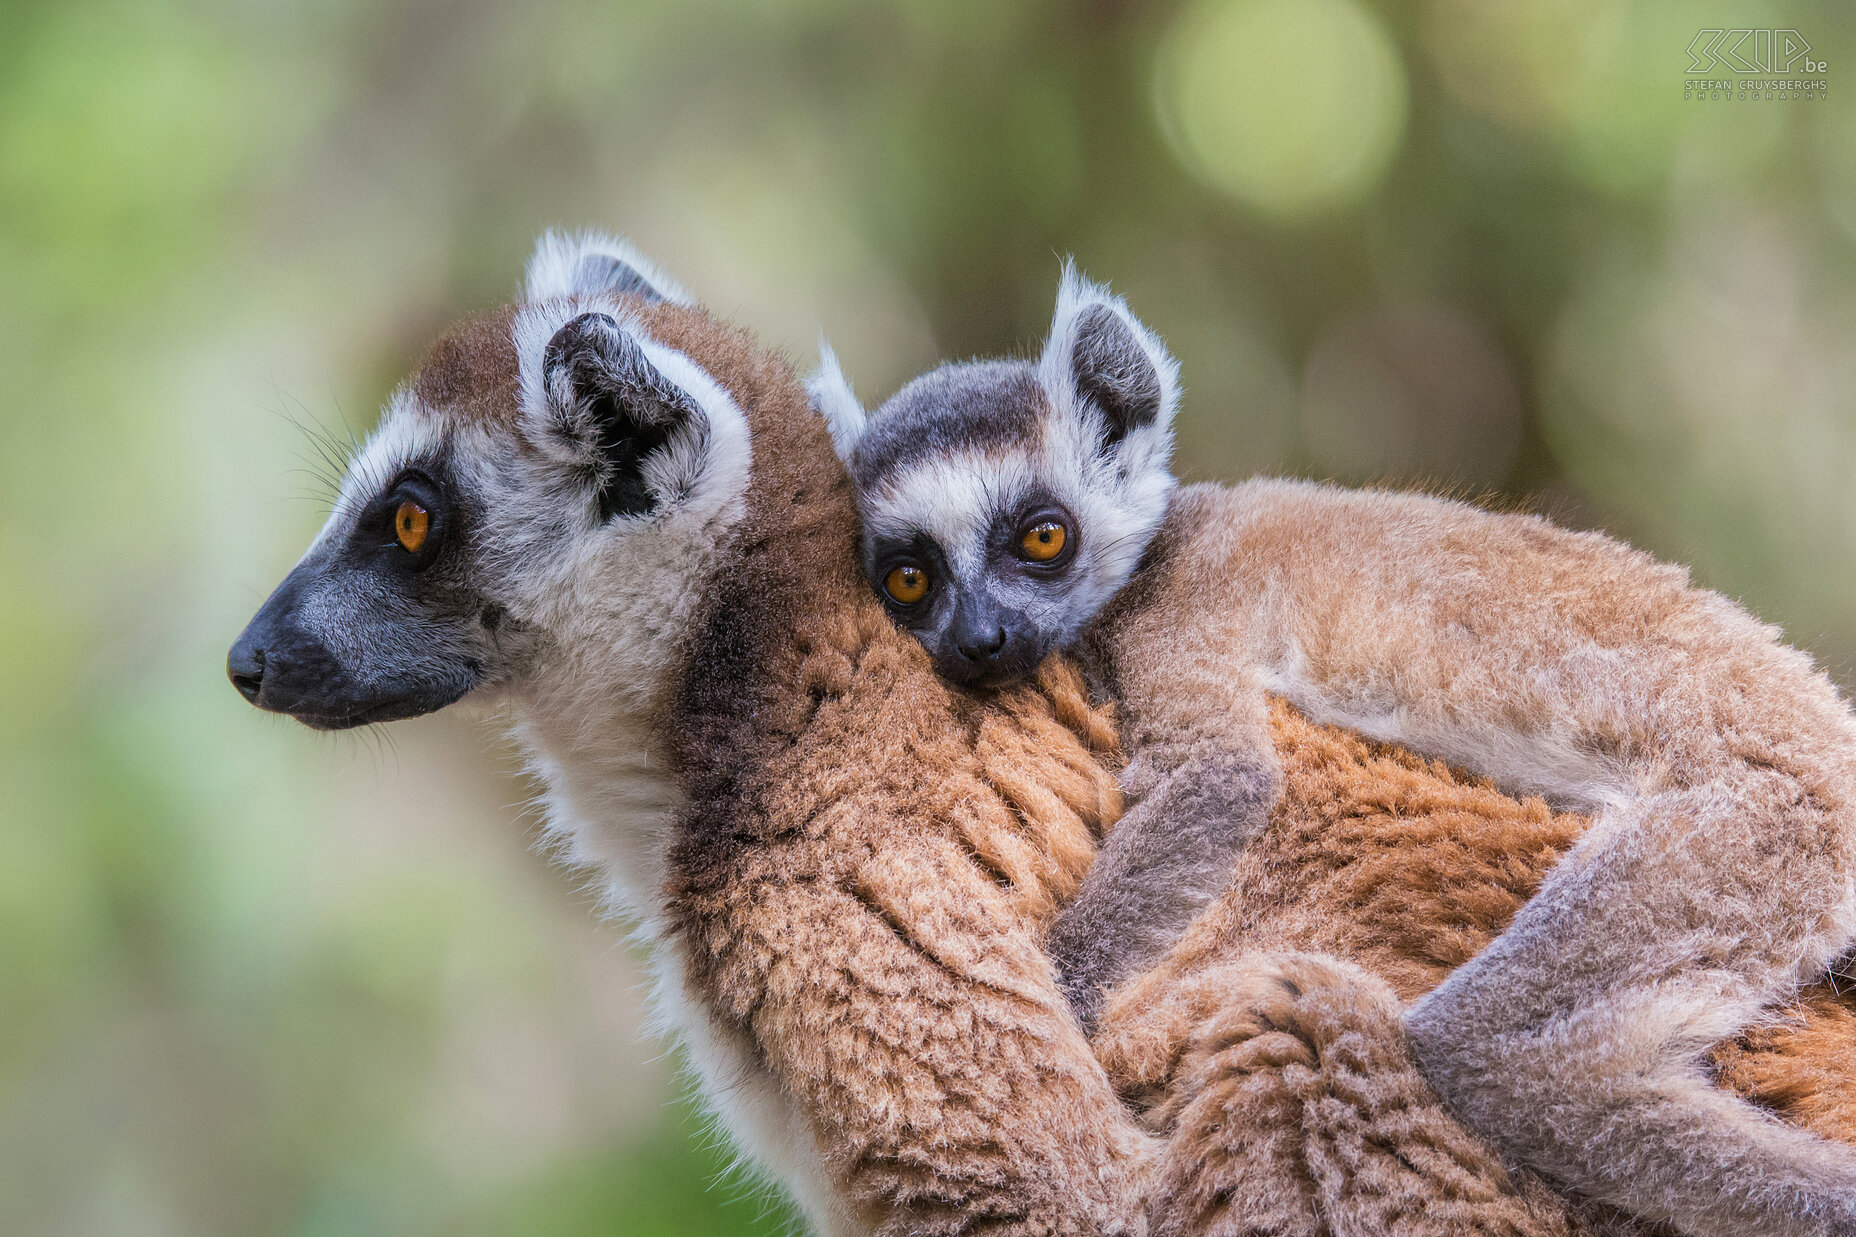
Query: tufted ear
point(589, 264)
point(616, 416)
point(1100, 356)
point(835, 401)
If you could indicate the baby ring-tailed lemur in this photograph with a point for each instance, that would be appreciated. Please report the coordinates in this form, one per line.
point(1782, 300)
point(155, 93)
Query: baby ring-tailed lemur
point(1005, 503)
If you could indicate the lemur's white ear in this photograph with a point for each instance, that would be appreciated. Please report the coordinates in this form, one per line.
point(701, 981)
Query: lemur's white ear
point(832, 395)
point(589, 263)
point(601, 405)
point(1100, 355)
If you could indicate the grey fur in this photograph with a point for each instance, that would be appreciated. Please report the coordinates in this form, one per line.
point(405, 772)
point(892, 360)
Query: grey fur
point(1719, 766)
point(976, 406)
point(954, 469)
point(616, 406)
point(601, 272)
point(363, 632)
point(1587, 948)
point(1169, 856)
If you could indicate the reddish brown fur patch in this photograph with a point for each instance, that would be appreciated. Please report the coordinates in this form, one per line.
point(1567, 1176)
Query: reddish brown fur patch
point(1803, 1066)
point(472, 373)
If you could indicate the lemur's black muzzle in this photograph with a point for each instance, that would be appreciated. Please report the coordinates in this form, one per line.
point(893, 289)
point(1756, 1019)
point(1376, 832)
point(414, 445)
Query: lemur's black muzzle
point(278, 665)
point(283, 661)
point(989, 644)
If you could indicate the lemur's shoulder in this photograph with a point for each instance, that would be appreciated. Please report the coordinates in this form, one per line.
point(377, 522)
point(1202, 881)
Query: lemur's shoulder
point(859, 864)
point(1214, 533)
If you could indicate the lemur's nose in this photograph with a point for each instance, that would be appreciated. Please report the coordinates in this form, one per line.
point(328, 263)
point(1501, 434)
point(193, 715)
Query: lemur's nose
point(245, 667)
point(979, 646)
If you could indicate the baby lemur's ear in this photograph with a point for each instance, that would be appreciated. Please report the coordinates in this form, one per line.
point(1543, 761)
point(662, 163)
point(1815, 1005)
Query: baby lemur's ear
point(835, 401)
point(1099, 355)
point(591, 263)
point(616, 418)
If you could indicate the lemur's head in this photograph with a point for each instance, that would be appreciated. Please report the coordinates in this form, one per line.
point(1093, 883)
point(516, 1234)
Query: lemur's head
point(554, 480)
point(1004, 502)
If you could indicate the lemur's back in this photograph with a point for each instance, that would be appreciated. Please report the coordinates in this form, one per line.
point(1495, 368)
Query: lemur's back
point(1410, 618)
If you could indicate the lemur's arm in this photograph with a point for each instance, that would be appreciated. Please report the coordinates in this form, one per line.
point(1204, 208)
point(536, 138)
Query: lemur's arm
point(948, 1090)
point(1203, 775)
point(1716, 874)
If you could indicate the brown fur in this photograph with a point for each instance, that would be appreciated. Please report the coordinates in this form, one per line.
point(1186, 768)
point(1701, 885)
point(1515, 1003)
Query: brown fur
point(1715, 879)
point(1294, 1108)
point(861, 867)
point(866, 858)
point(865, 861)
point(470, 372)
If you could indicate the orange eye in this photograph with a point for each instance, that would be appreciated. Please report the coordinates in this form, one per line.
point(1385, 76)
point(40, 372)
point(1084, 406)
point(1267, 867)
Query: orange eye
point(907, 584)
point(410, 525)
point(1044, 541)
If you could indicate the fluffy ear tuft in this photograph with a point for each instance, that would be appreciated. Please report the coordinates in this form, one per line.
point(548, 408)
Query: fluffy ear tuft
point(833, 398)
point(592, 263)
point(1100, 355)
point(613, 410)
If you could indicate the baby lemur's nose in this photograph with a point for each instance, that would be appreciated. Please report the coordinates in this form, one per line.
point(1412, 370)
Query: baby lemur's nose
point(978, 646)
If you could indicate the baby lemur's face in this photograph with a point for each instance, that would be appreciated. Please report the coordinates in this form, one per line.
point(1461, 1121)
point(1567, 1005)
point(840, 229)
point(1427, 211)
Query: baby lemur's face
point(1004, 502)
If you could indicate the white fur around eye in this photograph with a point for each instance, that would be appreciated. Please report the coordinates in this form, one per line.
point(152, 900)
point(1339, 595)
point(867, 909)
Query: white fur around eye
point(957, 498)
point(405, 433)
point(1116, 491)
point(953, 499)
point(1118, 503)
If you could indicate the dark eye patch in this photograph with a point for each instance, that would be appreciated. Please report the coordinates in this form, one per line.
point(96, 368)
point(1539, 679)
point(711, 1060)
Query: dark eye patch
point(442, 561)
point(1008, 530)
point(885, 554)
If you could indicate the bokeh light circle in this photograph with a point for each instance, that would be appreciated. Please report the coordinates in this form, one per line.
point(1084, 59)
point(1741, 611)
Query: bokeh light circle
point(1293, 107)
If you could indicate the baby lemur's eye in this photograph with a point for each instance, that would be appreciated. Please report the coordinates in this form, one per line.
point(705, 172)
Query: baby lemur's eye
point(411, 524)
point(1043, 541)
point(907, 584)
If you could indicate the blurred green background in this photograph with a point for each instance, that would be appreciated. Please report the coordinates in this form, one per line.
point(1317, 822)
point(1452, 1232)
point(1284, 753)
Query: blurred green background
point(256, 981)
